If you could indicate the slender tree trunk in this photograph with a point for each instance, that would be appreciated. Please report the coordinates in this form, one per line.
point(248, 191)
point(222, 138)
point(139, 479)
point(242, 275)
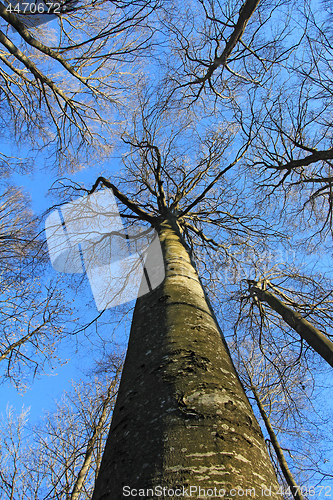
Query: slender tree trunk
point(78, 486)
point(278, 450)
point(319, 342)
point(182, 418)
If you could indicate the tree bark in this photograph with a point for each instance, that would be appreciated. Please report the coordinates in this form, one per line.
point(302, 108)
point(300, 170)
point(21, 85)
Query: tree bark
point(182, 418)
point(278, 450)
point(319, 342)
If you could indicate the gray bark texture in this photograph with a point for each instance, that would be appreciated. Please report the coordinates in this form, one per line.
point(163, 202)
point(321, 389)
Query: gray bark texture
point(181, 418)
point(317, 340)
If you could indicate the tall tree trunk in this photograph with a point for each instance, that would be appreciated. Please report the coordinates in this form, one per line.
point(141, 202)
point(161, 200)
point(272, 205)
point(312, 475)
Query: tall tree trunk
point(278, 450)
point(317, 340)
point(182, 418)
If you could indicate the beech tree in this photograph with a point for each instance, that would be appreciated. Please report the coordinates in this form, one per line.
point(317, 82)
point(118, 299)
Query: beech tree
point(228, 154)
point(180, 401)
point(192, 199)
point(314, 337)
point(282, 371)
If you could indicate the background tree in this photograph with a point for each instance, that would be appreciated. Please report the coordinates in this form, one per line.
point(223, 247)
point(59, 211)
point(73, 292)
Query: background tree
point(60, 82)
point(282, 399)
point(60, 457)
point(287, 376)
point(33, 311)
point(314, 337)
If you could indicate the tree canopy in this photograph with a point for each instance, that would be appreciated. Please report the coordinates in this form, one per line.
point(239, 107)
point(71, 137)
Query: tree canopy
point(219, 114)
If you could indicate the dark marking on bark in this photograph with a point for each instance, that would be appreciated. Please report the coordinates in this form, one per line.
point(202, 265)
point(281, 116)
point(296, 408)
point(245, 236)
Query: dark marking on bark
point(189, 412)
point(230, 405)
point(164, 298)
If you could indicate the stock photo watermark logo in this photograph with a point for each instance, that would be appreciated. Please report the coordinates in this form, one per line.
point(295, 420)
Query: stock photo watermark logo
point(32, 13)
point(87, 235)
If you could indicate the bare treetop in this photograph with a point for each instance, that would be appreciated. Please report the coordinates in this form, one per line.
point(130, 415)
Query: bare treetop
point(58, 80)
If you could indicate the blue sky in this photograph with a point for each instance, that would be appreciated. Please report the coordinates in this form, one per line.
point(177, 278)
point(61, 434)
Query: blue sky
point(47, 387)
point(50, 386)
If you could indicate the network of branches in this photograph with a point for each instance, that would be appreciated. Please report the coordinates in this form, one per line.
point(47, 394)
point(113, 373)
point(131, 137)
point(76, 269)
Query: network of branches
point(220, 116)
